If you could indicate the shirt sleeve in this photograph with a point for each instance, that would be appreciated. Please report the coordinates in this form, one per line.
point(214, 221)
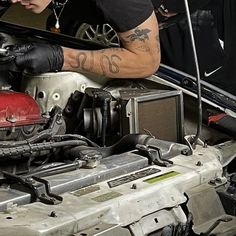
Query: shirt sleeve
point(124, 15)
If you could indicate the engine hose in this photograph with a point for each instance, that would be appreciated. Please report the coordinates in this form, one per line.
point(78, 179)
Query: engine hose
point(104, 111)
point(43, 135)
point(46, 135)
point(127, 143)
point(16, 152)
point(76, 137)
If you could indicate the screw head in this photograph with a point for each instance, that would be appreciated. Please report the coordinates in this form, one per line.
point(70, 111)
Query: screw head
point(134, 186)
point(53, 214)
point(199, 163)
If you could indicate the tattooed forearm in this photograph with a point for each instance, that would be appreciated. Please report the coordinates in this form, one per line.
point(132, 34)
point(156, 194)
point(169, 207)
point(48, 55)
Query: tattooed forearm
point(108, 64)
point(104, 61)
point(139, 34)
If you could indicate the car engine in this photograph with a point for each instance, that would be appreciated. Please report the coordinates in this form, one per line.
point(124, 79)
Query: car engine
point(82, 155)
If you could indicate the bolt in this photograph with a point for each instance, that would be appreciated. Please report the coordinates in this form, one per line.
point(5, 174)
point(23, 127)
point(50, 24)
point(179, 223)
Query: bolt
point(198, 163)
point(11, 119)
point(212, 182)
point(29, 180)
point(117, 107)
point(205, 145)
point(134, 186)
point(218, 180)
point(53, 214)
point(184, 152)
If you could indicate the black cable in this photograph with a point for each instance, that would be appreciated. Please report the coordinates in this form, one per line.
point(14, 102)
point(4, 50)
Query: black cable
point(16, 152)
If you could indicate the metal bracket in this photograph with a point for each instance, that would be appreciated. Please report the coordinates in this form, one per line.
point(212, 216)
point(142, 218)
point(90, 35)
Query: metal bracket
point(154, 155)
point(39, 188)
point(215, 224)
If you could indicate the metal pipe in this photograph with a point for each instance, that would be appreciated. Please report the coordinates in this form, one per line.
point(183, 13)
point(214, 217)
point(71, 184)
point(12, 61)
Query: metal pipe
point(199, 125)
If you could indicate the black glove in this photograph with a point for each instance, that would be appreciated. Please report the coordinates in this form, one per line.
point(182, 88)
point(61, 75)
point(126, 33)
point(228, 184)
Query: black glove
point(37, 58)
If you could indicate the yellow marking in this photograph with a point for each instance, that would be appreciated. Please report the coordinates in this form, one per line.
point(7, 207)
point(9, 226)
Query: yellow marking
point(161, 177)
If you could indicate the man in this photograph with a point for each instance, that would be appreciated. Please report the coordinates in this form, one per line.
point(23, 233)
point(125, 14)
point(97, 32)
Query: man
point(209, 50)
point(137, 28)
point(225, 14)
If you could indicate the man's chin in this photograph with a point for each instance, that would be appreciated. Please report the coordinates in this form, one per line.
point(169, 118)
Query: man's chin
point(34, 9)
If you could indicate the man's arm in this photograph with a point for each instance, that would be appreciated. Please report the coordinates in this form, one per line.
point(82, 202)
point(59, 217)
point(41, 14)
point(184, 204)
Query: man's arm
point(139, 57)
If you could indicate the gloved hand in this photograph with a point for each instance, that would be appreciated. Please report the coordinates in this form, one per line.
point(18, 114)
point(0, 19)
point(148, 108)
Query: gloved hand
point(37, 58)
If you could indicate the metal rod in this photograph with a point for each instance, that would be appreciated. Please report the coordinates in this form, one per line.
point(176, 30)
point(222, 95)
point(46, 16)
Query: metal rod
point(199, 125)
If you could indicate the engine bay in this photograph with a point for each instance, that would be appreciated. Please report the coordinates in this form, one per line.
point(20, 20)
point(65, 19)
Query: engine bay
point(81, 155)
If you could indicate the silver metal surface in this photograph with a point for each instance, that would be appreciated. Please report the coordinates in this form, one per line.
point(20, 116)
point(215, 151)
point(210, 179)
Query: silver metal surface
point(105, 230)
point(206, 207)
point(52, 89)
point(228, 151)
point(109, 168)
point(154, 202)
point(158, 220)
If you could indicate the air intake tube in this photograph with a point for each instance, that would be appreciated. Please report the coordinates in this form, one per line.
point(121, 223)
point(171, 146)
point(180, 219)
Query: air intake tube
point(125, 144)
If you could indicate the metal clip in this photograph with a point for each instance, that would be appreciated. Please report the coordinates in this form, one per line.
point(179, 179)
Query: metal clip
point(38, 188)
point(154, 155)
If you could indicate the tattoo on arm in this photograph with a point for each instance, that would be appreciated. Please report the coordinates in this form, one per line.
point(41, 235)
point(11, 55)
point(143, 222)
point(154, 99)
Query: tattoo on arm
point(139, 34)
point(112, 65)
point(82, 60)
point(86, 62)
point(146, 48)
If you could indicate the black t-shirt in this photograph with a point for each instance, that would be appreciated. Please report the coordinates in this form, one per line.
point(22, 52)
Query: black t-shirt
point(122, 15)
point(179, 5)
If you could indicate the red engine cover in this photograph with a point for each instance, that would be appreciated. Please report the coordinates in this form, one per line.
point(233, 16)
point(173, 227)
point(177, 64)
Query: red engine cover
point(18, 109)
